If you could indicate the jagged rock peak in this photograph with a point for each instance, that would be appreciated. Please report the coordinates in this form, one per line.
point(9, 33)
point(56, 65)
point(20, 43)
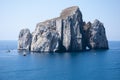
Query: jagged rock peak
point(69, 11)
point(97, 23)
point(23, 31)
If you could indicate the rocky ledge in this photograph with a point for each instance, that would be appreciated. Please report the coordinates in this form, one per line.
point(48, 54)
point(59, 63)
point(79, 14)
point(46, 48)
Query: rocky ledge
point(65, 33)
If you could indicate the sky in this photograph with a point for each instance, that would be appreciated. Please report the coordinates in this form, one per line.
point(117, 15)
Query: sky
point(18, 14)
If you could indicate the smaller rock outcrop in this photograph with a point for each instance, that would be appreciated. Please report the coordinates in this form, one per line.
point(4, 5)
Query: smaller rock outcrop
point(95, 36)
point(24, 41)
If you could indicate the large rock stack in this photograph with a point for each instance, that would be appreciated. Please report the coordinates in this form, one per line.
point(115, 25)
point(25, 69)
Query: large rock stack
point(65, 33)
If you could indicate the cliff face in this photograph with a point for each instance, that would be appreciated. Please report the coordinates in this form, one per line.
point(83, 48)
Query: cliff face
point(65, 33)
point(71, 25)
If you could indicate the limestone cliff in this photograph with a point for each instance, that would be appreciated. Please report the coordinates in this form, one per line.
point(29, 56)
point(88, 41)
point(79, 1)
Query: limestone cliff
point(67, 32)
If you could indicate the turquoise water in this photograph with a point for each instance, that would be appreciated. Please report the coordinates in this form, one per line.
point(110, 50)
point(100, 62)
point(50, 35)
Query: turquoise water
point(89, 65)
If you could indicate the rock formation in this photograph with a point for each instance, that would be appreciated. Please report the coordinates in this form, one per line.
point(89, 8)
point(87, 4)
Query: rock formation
point(95, 35)
point(24, 41)
point(65, 33)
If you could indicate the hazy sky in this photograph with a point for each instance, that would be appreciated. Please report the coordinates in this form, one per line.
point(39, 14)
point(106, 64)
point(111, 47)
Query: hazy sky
point(18, 14)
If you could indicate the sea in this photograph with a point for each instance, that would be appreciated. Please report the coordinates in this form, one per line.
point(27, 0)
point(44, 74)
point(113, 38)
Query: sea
point(87, 65)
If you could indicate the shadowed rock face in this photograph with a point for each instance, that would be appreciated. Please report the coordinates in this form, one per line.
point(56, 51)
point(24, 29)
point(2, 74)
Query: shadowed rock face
point(98, 38)
point(65, 33)
point(71, 26)
point(95, 36)
point(86, 35)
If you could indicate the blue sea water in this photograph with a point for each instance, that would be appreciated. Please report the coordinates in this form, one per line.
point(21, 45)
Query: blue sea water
point(89, 65)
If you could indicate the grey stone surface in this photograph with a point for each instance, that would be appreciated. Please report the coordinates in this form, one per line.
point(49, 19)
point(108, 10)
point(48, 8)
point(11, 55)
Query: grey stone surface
point(72, 24)
point(45, 37)
point(67, 32)
point(95, 35)
point(24, 41)
point(98, 39)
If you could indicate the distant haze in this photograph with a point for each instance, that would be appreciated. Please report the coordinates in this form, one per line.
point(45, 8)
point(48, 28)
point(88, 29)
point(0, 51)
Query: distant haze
point(15, 15)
